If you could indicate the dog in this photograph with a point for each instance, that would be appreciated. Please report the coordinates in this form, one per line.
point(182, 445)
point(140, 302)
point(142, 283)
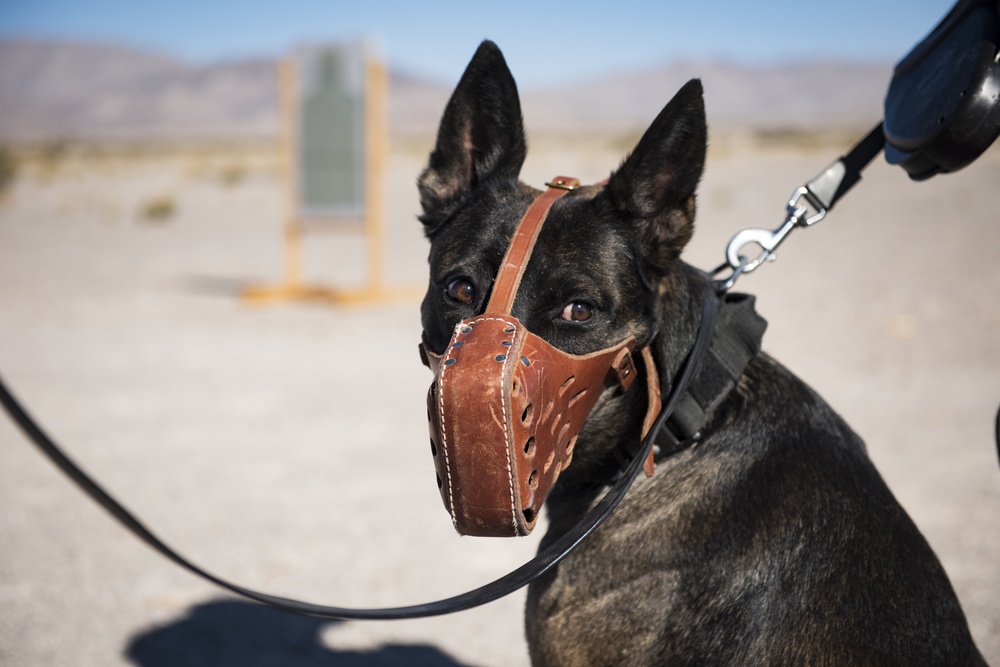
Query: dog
point(774, 541)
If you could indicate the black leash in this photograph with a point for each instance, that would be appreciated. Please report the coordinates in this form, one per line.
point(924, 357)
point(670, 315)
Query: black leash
point(494, 590)
point(833, 182)
point(996, 434)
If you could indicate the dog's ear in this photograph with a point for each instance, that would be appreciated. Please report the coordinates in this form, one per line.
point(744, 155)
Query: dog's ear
point(481, 136)
point(654, 189)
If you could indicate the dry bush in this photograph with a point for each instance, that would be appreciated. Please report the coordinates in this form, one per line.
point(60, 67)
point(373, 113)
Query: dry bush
point(232, 175)
point(8, 169)
point(158, 210)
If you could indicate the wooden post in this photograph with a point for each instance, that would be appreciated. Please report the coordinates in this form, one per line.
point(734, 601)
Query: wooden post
point(288, 94)
point(376, 150)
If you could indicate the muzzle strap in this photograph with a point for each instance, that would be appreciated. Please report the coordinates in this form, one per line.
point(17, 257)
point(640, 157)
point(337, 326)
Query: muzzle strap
point(653, 404)
point(521, 246)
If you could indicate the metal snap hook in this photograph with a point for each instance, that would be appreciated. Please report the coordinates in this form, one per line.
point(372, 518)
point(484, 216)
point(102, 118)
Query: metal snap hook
point(798, 215)
point(767, 239)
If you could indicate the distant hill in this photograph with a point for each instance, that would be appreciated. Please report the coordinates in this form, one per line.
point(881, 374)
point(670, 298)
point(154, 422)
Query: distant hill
point(806, 95)
point(65, 90)
point(61, 90)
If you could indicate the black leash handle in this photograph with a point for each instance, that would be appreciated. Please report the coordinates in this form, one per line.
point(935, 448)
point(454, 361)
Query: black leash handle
point(494, 590)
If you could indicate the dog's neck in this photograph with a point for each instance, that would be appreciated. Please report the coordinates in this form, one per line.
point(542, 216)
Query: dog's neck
point(678, 317)
point(616, 425)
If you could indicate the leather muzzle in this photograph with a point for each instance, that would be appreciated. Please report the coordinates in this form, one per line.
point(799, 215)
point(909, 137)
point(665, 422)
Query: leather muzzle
point(506, 407)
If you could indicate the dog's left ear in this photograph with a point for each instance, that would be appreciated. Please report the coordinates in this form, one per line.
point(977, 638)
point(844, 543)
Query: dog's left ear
point(654, 189)
point(481, 136)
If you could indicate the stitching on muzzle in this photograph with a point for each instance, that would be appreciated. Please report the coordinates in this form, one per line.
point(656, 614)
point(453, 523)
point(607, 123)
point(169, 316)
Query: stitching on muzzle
point(446, 362)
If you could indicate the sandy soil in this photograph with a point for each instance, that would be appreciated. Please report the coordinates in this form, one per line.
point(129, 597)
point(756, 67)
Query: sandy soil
point(285, 446)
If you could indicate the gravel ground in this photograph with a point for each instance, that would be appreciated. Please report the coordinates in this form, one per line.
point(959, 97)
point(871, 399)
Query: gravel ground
point(285, 446)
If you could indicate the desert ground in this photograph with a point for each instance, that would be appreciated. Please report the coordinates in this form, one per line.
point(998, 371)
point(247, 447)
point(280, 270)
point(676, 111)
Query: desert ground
point(284, 446)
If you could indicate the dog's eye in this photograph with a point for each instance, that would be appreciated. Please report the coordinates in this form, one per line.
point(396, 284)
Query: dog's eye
point(461, 290)
point(578, 311)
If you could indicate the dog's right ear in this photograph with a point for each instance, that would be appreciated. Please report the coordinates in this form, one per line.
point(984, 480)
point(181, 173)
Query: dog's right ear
point(654, 189)
point(481, 137)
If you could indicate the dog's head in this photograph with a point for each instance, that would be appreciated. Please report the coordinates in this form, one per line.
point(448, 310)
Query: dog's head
point(606, 262)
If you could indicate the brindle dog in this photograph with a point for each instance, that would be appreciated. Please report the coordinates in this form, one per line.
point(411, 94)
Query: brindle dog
point(774, 540)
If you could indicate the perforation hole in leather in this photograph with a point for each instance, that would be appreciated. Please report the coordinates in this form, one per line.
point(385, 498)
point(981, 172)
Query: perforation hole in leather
point(565, 385)
point(577, 396)
point(529, 447)
point(529, 514)
point(533, 480)
point(434, 449)
point(527, 414)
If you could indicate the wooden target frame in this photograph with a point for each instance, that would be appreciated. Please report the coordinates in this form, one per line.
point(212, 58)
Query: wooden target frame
point(302, 218)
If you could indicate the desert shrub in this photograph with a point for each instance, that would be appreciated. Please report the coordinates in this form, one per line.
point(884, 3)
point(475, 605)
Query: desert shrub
point(158, 209)
point(232, 175)
point(8, 169)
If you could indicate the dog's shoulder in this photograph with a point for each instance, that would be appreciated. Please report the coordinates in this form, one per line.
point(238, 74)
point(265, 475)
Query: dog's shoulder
point(773, 541)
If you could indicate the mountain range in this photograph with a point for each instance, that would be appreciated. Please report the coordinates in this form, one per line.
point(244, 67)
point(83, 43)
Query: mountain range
point(63, 90)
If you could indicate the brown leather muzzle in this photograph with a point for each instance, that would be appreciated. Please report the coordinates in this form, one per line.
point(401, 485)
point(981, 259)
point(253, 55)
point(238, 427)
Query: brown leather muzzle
point(506, 407)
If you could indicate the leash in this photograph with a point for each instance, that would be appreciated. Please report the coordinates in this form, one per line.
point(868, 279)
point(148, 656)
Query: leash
point(940, 114)
point(494, 590)
point(808, 205)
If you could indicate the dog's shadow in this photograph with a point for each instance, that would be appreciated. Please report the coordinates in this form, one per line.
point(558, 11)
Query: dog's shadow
point(232, 633)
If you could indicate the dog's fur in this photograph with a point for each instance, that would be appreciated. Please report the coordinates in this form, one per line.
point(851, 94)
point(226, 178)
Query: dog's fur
point(774, 541)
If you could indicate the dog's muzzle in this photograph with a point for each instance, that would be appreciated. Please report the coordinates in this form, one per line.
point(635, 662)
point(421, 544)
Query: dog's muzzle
point(505, 410)
point(506, 407)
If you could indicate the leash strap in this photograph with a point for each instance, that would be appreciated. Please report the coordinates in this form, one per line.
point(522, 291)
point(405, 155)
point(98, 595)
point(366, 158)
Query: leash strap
point(833, 182)
point(494, 590)
point(523, 244)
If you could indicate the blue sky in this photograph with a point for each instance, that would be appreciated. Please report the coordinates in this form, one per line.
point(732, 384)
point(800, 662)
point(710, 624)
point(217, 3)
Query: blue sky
point(545, 42)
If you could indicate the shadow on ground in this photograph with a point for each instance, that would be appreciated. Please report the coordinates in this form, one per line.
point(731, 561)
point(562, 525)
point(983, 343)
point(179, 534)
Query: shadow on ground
point(232, 633)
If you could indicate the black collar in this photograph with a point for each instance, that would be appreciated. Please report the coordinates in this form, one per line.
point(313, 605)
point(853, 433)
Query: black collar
point(737, 340)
